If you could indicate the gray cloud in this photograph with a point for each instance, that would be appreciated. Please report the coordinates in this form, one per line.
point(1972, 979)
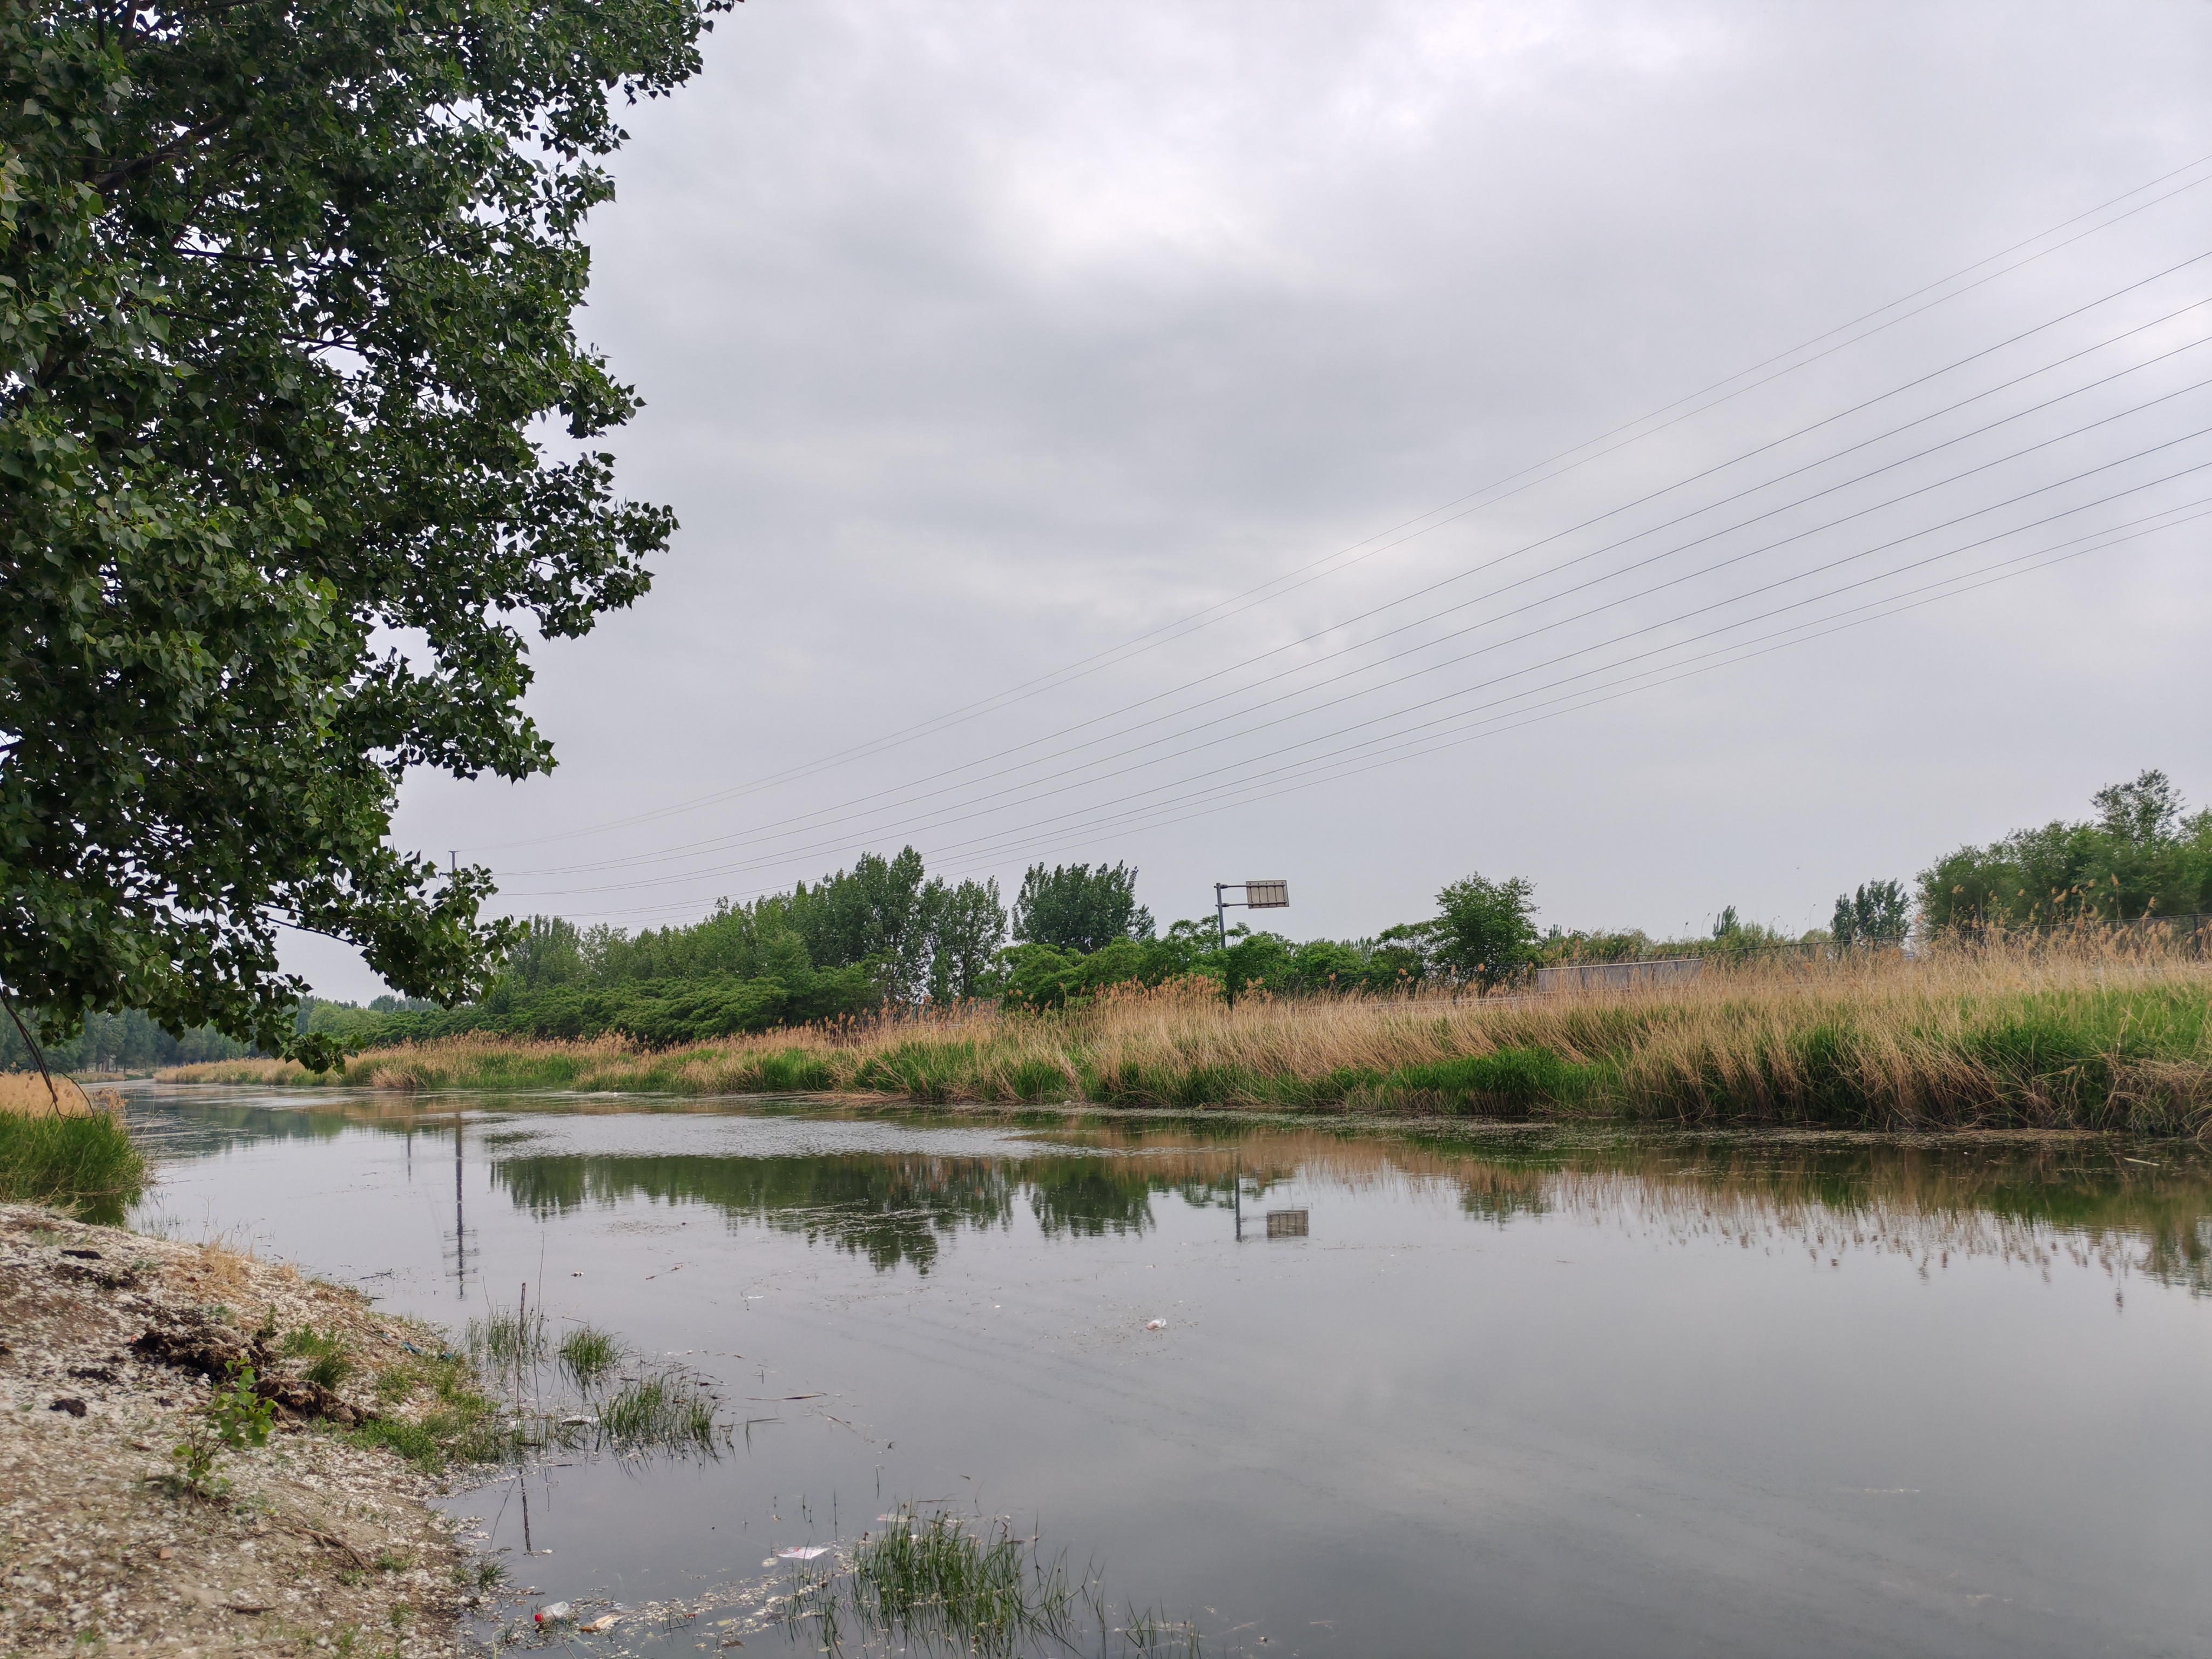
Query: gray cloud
point(977, 341)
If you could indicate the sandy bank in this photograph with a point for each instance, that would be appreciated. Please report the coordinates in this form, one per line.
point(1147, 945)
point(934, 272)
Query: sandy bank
point(318, 1547)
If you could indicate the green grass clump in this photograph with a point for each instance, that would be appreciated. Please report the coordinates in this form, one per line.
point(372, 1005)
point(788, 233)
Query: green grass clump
point(329, 1362)
point(1509, 1083)
point(943, 1584)
point(440, 1439)
point(462, 1427)
point(939, 1577)
point(506, 1340)
point(90, 1166)
point(588, 1354)
point(663, 1411)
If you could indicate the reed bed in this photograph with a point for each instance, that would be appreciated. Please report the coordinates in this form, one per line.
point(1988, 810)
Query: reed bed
point(2099, 1033)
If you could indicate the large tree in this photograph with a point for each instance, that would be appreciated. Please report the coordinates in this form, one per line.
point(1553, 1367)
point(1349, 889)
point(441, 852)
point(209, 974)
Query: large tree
point(1487, 930)
point(286, 289)
point(1073, 907)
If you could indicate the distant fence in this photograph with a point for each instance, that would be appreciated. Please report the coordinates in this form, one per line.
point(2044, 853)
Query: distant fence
point(2193, 933)
point(1620, 975)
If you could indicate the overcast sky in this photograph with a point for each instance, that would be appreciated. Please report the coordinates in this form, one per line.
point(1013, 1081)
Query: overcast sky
point(996, 354)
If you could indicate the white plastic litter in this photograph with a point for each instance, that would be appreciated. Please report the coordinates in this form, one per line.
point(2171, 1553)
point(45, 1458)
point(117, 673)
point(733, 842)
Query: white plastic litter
point(605, 1621)
point(1156, 1324)
point(802, 1551)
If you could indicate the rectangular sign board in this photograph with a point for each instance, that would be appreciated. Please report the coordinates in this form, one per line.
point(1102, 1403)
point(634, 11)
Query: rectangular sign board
point(1268, 895)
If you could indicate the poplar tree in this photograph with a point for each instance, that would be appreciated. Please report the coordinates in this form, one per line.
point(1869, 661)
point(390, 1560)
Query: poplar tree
point(286, 292)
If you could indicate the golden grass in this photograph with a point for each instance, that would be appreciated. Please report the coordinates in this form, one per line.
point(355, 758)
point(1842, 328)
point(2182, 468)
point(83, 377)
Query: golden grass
point(2081, 1032)
point(241, 1072)
point(26, 1094)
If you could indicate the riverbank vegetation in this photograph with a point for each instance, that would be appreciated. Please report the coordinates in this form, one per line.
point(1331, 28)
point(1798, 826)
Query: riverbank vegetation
point(89, 1165)
point(2090, 1029)
point(884, 979)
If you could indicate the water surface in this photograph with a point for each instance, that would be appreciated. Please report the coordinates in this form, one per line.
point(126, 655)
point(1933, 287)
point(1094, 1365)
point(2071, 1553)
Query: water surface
point(1514, 1393)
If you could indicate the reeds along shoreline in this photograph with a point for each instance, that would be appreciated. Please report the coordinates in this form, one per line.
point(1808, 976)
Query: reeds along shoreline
point(2096, 1033)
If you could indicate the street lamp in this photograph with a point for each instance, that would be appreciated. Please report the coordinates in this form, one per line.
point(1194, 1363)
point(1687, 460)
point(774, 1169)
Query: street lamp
point(1258, 896)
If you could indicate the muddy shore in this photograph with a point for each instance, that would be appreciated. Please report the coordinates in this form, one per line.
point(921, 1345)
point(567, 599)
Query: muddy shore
point(311, 1544)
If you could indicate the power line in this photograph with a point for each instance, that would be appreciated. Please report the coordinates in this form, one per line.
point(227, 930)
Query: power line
point(1470, 690)
point(1637, 680)
point(758, 831)
point(1249, 792)
point(1114, 654)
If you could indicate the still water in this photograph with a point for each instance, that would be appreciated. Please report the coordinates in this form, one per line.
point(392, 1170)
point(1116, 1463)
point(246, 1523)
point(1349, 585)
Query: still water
point(1513, 1393)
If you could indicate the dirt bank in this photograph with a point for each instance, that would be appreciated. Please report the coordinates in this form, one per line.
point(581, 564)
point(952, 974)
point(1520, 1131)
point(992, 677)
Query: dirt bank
point(317, 1546)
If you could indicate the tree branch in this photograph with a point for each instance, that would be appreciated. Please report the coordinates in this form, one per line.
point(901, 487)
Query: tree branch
point(125, 172)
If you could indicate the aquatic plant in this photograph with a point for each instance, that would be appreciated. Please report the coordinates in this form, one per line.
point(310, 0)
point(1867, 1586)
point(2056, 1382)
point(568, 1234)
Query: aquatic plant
point(496, 1404)
point(507, 1340)
point(588, 1354)
point(661, 1410)
point(939, 1582)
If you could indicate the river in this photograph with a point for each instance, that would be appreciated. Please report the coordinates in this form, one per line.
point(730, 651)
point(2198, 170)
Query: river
point(1313, 1389)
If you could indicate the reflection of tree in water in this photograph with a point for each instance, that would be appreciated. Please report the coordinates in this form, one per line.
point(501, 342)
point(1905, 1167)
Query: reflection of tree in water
point(1089, 1197)
point(890, 1208)
point(1491, 1192)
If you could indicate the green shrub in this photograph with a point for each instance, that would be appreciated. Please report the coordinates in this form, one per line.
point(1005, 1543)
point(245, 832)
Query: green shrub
point(235, 1418)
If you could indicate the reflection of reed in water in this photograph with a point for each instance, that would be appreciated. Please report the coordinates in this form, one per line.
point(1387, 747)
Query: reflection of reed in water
point(2037, 1199)
point(2041, 1205)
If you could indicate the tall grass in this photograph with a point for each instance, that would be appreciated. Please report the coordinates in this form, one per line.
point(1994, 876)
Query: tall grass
point(88, 1164)
point(2099, 1032)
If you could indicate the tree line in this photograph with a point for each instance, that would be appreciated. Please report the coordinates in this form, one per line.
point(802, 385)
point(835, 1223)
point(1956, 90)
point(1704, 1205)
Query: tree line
point(886, 932)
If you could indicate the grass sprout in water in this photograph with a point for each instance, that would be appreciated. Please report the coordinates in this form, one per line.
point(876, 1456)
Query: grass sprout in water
point(548, 1398)
point(980, 1589)
point(507, 1341)
point(661, 1410)
point(942, 1584)
point(588, 1355)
